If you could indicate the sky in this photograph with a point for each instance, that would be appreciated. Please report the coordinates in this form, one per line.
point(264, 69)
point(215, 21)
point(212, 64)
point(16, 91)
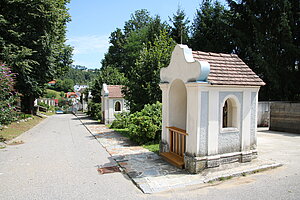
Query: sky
point(94, 20)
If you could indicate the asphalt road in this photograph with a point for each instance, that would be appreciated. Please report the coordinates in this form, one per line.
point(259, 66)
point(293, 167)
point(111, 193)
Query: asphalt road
point(59, 160)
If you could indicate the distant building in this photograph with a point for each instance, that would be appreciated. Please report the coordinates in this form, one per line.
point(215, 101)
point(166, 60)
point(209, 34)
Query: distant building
point(113, 102)
point(73, 95)
point(79, 87)
point(52, 83)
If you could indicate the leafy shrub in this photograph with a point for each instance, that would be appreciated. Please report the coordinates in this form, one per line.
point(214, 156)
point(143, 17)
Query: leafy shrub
point(94, 110)
point(145, 126)
point(50, 94)
point(63, 102)
point(121, 121)
point(43, 104)
point(7, 96)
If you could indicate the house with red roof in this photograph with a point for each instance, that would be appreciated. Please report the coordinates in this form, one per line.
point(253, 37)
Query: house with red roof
point(209, 109)
point(113, 102)
point(52, 83)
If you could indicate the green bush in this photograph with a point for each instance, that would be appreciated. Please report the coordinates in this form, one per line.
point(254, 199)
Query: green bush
point(145, 126)
point(8, 96)
point(94, 110)
point(121, 121)
point(43, 105)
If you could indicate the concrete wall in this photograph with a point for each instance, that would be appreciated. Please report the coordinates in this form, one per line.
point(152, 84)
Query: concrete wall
point(285, 117)
point(263, 113)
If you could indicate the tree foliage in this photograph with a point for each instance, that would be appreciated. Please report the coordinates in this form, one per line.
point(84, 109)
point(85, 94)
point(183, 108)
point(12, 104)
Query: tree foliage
point(180, 28)
point(80, 75)
point(32, 42)
point(211, 29)
point(266, 36)
point(120, 63)
point(143, 86)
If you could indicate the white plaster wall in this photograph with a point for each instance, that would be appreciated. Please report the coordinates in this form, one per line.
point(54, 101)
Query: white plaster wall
point(193, 126)
point(205, 132)
point(213, 122)
point(246, 121)
point(214, 125)
point(165, 112)
point(109, 106)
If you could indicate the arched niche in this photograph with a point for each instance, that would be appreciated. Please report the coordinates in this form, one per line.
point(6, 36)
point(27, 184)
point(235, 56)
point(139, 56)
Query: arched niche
point(177, 104)
point(117, 106)
point(230, 113)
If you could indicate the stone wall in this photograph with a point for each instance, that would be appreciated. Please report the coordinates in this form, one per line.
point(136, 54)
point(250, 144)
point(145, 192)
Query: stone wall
point(285, 117)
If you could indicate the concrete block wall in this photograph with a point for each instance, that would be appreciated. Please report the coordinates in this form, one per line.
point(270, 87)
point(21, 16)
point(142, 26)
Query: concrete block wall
point(285, 117)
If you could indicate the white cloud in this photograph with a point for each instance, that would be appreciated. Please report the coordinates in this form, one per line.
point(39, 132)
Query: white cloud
point(89, 44)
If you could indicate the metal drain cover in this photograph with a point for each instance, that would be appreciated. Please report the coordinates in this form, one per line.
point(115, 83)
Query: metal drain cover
point(107, 170)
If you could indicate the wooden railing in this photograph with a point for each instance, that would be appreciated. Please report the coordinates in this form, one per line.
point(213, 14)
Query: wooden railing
point(177, 140)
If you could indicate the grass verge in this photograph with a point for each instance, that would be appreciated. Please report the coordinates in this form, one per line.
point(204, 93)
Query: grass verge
point(15, 129)
point(48, 113)
point(152, 147)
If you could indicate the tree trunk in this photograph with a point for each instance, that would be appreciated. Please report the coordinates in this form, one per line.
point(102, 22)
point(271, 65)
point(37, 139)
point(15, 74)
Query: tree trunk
point(27, 104)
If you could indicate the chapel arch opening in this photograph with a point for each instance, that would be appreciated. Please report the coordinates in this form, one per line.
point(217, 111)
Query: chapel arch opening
point(178, 104)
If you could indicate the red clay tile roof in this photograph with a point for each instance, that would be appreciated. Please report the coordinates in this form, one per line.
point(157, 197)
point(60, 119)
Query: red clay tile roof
point(115, 91)
point(52, 82)
point(228, 69)
point(72, 94)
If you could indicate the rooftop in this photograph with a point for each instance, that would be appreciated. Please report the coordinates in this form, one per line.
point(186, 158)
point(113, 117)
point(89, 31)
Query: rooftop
point(228, 69)
point(115, 91)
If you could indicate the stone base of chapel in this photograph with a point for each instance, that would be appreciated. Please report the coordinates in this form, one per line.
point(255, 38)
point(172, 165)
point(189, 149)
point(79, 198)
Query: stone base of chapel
point(197, 164)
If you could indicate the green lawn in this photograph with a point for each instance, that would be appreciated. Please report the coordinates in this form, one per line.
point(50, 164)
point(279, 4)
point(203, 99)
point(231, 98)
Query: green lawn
point(15, 129)
point(53, 91)
point(152, 147)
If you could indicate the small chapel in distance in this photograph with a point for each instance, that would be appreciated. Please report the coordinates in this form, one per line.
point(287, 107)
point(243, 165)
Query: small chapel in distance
point(209, 109)
point(113, 102)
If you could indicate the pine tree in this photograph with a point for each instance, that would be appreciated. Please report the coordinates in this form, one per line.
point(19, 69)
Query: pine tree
point(211, 29)
point(180, 28)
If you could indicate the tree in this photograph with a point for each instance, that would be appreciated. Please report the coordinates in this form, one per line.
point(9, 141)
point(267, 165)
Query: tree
point(137, 21)
point(32, 43)
point(115, 55)
point(180, 28)
point(66, 85)
point(143, 86)
point(211, 29)
point(266, 37)
point(80, 75)
point(140, 31)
